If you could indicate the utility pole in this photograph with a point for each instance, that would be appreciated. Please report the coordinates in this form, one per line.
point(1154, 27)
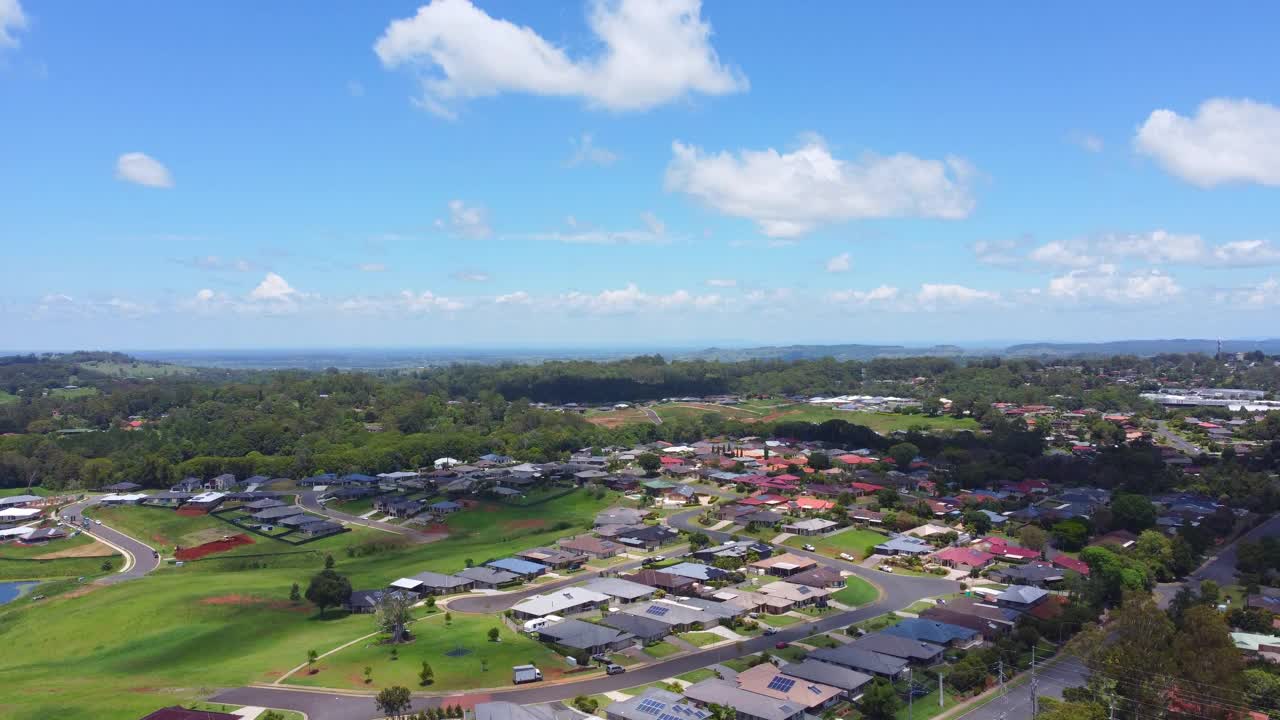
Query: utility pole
point(911, 693)
point(1035, 703)
point(1001, 667)
point(1111, 708)
point(940, 691)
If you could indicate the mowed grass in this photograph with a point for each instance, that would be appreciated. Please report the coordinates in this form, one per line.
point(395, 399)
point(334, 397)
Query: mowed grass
point(162, 528)
point(481, 664)
point(701, 639)
point(179, 634)
point(75, 392)
point(883, 423)
point(23, 562)
point(692, 411)
point(779, 621)
point(137, 370)
point(7, 397)
point(856, 592)
point(856, 542)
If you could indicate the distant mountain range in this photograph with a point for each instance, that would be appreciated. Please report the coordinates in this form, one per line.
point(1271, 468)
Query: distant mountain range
point(1140, 348)
point(838, 352)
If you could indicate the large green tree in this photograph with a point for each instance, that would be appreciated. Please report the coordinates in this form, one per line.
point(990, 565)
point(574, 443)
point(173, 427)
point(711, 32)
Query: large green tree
point(328, 589)
point(879, 701)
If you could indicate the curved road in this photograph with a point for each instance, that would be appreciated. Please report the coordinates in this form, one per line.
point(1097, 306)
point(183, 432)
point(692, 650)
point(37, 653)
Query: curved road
point(897, 592)
point(140, 558)
point(310, 500)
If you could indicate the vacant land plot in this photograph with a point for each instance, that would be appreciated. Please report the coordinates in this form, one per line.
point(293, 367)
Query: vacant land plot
point(856, 592)
point(618, 418)
point(673, 411)
point(137, 369)
point(459, 653)
point(73, 392)
point(163, 526)
point(856, 542)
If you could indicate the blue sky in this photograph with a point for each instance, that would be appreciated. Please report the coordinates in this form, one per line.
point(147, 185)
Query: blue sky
point(665, 172)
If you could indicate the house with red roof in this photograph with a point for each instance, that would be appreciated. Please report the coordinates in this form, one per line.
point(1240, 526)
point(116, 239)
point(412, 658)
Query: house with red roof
point(963, 557)
point(808, 504)
point(864, 488)
point(1007, 551)
point(852, 459)
point(1066, 562)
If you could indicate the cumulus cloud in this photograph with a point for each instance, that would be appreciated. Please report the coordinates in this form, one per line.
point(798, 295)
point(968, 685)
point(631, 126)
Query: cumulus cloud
point(12, 21)
point(1227, 140)
point(935, 296)
point(860, 298)
point(1107, 283)
point(631, 299)
point(998, 252)
point(1246, 253)
point(63, 305)
point(519, 297)
point(1063, 254)
point(1156, 247)
point(651, 52)
point(142, 169)
point(1265, 294)
point(273, 289)
point(788, 194)
point(840, 263)
point(587, 152)
point(466, 221)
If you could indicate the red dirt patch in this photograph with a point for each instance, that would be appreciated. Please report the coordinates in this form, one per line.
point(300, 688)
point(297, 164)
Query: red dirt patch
point(252, 601)
point(525, 524)
point(209, 548)
point(191, 512)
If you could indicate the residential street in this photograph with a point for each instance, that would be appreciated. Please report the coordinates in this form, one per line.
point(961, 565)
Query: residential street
point(140, 556)
point(1016, 703)
point(1175, 440)
point(1222, 567)
point(310, 500)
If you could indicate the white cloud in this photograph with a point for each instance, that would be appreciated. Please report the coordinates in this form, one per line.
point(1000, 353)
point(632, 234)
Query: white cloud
point(427, 301)
point(1088, 142)
point(1107, 283)
point(372, 267)
point(1228, 140)
point(519, 297)
point(933, 296)
point(631, 299)
point(790, 194)
point(466, 221)
point(1063, 254)
point(651, 52)
point(1246, 253)
point(722, 282)
point(471, 276)
point(998, 252)
point(12, 20)
point(1265, 294)
point(1157, 246)
point(586, 152)
point(840, 263)
point(879, 295)
point(63, 305)
point(654, 233)
point(142, 169)
point(273, 289)
point(204, 295)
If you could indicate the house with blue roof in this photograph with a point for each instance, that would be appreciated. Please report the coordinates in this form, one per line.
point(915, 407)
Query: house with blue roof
point(524, 568)
point(696, 571)
point(358, 479)
point(932, 631)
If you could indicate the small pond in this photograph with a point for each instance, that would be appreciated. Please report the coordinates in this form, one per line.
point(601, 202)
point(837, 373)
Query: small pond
point(10, 591)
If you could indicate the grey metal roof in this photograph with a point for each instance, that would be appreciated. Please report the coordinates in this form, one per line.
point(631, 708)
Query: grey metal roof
point(897, 646)
point(722, 692)
point(582, 635)
point(827, 674)
point(861, 660)
point(619, 588)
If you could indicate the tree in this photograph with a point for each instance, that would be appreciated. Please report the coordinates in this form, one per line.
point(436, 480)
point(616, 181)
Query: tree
point(1054, 709)
point(312, 656)
point(1071, 534)
point(1204, 653)
point(393, 612)
point(586, 704)
point(393, 701)
point(328, 561)
point(271, 715)
point(328, 589)
point(819, 461)
point(698, 540)
point(1033, 537)
point(493, 634)
point(649, 462)
point(977, 522)
point(1139, 637)
point(295, 594)
point(426, 675)
point(1133, 512)
point(879, 701)
point(448, 618)
point(903, 453)
point(1261, 688)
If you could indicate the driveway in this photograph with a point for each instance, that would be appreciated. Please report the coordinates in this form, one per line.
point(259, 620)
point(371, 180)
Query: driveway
point(310, 500)
point(896, 593)
point(140, 558)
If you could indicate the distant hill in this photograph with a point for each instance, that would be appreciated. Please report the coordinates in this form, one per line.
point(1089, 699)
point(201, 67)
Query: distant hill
point(1141, 347)
point(810, 352)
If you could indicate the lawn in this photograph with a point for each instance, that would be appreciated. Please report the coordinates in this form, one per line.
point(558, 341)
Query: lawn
point(478, 663)
point(617, 418)
point(857, 542)
point(32, 562)
point(697, 676)
point(695, 411)
point(701, 639)
point(879, 622)
point(661, 650)
point(221, 707)
point(738, 664)
point(182, 633)
point(162, 528)
point(926, 707)
point(140, 369)
point(790, 653)
point(856, 592)
point(7, 397)
point(76, 392)
point(352, 507)
point(779, 621)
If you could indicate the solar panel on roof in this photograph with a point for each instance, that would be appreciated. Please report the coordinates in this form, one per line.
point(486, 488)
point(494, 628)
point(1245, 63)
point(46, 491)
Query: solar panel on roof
point(656, 611)
point(650, 706)
point(782, 683)
point(668, 717)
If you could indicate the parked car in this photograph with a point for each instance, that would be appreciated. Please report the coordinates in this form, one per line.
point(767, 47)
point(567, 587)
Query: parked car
point(770, 630)
point(846, 556)
point(886, 568)
point(600, 658)
point(658, 558)
point(614, 669)
point(810, 548)
point(782, 645)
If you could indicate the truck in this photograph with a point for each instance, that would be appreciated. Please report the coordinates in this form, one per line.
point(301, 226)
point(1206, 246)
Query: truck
point(521, 674)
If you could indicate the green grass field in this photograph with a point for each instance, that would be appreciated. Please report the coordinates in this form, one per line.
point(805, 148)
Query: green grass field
point(701, 639)
point(139, 369)
point(661, 650)
point(10, 492)
point(856, 592)
point(856, 542)
point(483, 664)
point(697, 676)
point(779, 621)
point(221, 707)
point(691, 411)
point(777, 410)
point(77, 392)
point(181, 633)
point(7, 397)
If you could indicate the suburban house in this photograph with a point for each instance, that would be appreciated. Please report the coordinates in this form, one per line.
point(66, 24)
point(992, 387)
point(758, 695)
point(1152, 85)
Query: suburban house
point(1037, 574)
point(909, 649)
point(560, 602)
point(678, 616)
point(652, 704)
point(808, 504)
point(501, 710)
point(555, 558)
point(862, 515)
point(767, 518)
point(766, 679)
point(746, 705)
point(988, 619)
point(488, 578)
point(264, 504)
point(523, 568)
point(783, 565)
point(864, 661)
point(645, 629)
point(963, 558)
point(621, 591)
point(188, 485)
point(224, 482)
point(1066, 562)
point(662, 581)
point(366, 601)
point(798, 595)
point(206, 500)
point(122, 487)
point(810, 526)
point(819, 577)
point(585, 636)
point(433, 583)
point(932, 631)
point(696, 571)
point(444, 507)
point(735, 550)
point(1007, 551)
point(398, 506)
point(850, 682)
point(903, 545)
point(1021, 597)
point(649, 537)
point(591, 546)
